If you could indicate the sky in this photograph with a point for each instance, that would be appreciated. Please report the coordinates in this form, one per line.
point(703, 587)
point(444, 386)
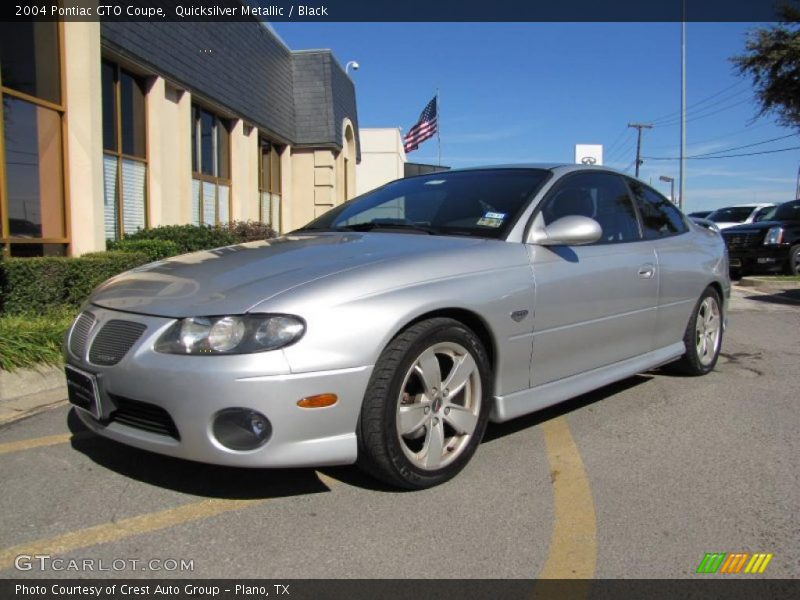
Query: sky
point(528, 92)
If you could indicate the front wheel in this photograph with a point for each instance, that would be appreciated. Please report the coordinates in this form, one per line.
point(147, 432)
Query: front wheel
point(703, 336)
point(427, 405)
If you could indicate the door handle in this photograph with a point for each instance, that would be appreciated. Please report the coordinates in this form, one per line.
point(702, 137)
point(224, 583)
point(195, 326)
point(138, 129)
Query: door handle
point(647, 271)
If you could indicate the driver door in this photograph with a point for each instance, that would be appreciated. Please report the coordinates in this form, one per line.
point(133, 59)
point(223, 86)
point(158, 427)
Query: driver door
point(595, 305)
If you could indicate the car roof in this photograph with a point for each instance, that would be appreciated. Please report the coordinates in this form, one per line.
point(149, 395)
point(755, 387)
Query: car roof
point(748, 205)
point(563, 167)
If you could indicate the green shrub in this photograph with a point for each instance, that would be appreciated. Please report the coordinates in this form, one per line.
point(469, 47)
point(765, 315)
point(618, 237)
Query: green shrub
point(90, 270)
point(155, 249)
point(32, 284)
point(28, 340)
point(251, 231)
point(191, 238)
point(188, 238)
point(36, 285)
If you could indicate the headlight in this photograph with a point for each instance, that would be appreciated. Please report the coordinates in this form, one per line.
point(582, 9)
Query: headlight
point(774, 236)
point(233, 334)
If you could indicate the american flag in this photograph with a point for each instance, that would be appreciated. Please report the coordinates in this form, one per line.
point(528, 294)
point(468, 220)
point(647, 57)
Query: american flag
point(424, 129)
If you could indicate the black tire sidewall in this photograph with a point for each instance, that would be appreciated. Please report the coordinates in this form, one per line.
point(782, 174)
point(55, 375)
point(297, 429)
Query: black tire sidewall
point(696, 367)
point(793, 267)
point(431, 333)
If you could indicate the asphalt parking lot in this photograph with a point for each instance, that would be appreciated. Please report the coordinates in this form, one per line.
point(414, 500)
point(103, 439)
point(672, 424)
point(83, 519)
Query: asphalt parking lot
point(639, 479)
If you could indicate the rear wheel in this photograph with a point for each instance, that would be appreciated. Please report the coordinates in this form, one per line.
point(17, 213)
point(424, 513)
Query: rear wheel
point(793, 267)
point(703, 336)
point(427, 405)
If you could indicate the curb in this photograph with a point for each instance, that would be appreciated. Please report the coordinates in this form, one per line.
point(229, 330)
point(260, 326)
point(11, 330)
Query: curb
point(26, 391)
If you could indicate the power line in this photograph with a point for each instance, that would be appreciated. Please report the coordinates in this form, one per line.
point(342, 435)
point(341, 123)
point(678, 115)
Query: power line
point(724, 155)
point(782, 137)
point(625, 147)
point(697, 110)
point(705, 115)
point(747, 129)
point(673, 114)
point(611, 146)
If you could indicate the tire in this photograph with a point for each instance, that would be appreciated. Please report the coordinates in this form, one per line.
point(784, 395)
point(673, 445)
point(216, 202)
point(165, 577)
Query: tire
point(703, 336)
point(735, 274)
point(414, 432)
point(793, 266)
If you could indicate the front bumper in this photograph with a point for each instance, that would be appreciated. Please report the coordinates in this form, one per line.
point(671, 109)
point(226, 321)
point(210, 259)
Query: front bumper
point(759, 259)
point(193, 389)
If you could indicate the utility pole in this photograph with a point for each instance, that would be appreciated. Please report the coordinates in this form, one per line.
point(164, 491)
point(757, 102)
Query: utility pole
point(639, 127)
point(682, 167)
point(797, 192)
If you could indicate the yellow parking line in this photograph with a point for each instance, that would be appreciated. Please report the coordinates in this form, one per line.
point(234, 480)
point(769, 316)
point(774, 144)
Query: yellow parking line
point(50, 440)
point(573, 545)
point(111, 532)
point(326, 479)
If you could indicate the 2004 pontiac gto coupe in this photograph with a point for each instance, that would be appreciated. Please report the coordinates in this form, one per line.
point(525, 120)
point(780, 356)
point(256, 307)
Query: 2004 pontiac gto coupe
point(390, 330)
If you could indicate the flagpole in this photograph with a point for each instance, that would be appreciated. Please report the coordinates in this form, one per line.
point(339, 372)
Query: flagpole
point(438, 126)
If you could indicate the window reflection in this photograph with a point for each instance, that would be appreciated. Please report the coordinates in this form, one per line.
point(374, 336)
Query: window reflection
point(29, 59)
point(33, 170)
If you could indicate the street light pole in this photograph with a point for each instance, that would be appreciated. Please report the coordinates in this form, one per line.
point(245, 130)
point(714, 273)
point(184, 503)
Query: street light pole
point(681, 175)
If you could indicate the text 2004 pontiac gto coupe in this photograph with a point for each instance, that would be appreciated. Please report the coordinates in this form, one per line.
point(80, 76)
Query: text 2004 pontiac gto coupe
point(390, 330)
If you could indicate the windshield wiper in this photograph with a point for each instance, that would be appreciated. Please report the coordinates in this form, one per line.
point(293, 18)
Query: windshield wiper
point(373, 225)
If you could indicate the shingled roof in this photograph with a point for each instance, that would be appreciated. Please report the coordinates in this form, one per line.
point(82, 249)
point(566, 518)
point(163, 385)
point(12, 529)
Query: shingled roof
point(245, 71)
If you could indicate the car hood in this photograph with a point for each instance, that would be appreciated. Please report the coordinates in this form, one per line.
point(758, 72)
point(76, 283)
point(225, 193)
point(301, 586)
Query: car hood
point(728, 224)
point(234, 279)
point(760, 226)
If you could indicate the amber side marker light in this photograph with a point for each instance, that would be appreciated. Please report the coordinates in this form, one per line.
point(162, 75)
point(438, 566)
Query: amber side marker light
point(318, 401)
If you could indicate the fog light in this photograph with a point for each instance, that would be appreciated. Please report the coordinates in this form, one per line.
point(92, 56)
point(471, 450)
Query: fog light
point(318, 401)
point(241, 428)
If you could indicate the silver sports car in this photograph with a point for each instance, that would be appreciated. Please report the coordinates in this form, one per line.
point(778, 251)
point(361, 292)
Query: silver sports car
point(391, 329)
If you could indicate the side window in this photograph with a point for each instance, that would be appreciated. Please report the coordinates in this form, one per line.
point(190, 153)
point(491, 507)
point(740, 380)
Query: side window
point(600, 196)
point(660, 218)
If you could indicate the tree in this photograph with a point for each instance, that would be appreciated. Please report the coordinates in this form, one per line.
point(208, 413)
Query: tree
point(772, 61)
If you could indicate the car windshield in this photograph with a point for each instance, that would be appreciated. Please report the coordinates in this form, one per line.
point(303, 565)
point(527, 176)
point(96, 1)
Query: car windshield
point(788, 211)
point(765, 214)
point(732, 214)
point(483, 203)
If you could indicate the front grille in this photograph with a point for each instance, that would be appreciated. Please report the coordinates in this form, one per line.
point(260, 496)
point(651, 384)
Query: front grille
point(80, 334)
point(142, 415)
point(745, 239)
point(113, 342)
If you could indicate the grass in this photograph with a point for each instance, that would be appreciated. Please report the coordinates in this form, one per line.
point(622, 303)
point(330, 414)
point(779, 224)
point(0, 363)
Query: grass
point(776, 277)
point(786, 277)
point(30, 340)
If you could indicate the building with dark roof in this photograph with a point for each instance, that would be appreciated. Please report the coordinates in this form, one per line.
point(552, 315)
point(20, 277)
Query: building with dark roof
point(115, 126)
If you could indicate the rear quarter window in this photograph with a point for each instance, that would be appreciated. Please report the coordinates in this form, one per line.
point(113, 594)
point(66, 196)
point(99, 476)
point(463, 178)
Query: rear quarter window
point(660, 218)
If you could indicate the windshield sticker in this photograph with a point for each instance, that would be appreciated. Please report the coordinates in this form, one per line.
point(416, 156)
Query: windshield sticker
point(492, 219)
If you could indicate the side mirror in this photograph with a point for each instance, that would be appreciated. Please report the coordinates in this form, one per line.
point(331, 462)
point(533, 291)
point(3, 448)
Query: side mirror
point(573, 230)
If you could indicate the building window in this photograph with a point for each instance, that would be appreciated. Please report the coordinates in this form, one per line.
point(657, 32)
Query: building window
point(211, 168)
point(32, 197)
point(269, 183)
point(124, 151)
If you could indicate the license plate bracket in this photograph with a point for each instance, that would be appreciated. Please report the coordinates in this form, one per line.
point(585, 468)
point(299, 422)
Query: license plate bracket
point(82, 391)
